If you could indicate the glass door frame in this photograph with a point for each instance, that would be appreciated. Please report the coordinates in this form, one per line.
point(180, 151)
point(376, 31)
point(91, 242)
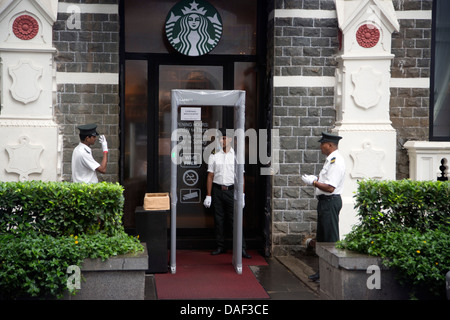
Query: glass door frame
point(154, 61)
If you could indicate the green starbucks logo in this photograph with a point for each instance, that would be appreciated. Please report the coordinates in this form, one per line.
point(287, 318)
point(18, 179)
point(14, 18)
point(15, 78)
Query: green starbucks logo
point(193, 27)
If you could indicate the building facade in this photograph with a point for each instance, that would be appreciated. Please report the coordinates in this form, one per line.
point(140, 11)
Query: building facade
point(111, 62)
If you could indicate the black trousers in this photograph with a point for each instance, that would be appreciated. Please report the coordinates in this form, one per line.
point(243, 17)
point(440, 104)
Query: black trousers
point(328, 210)
point(222, 203)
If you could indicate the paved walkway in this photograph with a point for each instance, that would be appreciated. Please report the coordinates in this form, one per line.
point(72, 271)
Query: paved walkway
point(284, 278)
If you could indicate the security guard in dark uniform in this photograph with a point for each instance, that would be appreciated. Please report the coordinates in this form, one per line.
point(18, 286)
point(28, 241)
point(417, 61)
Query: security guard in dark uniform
point(328, 189)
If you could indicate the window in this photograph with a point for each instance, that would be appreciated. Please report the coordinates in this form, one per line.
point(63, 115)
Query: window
point(440, 73)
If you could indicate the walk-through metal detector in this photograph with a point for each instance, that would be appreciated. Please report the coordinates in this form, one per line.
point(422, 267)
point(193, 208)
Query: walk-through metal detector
point(227, 98)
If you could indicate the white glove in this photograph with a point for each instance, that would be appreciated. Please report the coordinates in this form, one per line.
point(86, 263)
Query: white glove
point(207, 202)
point(243, 199)
point(102, 140)
point(309, 179)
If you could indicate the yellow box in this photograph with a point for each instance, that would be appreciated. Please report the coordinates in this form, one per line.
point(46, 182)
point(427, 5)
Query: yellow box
point(156, 201)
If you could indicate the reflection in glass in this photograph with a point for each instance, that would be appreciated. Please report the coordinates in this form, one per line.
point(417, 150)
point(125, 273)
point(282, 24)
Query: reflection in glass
point(135, 131)
point(441, 116)
point(191, 212)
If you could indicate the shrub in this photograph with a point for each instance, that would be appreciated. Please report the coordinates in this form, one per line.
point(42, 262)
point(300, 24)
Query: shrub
point(408, 224)
point(60, 208)
point(35, 265)
point(47, 226)
point(397, 204)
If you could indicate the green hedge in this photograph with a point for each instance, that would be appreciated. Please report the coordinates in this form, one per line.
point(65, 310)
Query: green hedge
point(47, 226)
point(391, 205)
point(35, 265)
point(408, 224)
point(60, 208)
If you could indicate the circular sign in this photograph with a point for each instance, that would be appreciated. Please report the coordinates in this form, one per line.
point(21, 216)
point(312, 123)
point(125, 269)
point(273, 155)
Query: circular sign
point(367, 36)
point(25, 27)
point(193, 27)
point(190, 178)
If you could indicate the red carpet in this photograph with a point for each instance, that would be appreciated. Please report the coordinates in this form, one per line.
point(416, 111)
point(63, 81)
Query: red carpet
point(199, 275)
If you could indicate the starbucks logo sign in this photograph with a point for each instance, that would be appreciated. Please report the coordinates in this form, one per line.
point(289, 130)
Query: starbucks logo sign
point(193, 27)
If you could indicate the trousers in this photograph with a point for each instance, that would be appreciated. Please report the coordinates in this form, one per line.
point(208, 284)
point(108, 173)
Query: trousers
point(222, 203)
point(328, 210)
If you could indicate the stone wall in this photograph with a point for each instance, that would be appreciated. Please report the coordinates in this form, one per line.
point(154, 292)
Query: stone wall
point(305, 45)
point(92, 50)
point(410, 106)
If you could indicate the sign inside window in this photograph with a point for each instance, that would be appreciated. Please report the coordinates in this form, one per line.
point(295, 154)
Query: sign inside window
point(193, 27)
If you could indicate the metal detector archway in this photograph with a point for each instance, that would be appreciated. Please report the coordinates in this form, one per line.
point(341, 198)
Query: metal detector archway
point(225, 98)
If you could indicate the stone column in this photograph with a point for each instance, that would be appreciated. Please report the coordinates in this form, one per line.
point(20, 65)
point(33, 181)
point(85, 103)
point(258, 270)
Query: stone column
point(29, 137)
point(362, 96)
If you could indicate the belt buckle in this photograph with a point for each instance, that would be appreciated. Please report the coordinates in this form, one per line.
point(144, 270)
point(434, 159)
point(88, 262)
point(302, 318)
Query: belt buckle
point(224, 187)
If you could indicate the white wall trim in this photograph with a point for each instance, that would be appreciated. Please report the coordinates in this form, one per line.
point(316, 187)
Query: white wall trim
point(300, 81)
point(278, 81)
point(331, 14)
point(86, 78)
point(305, 13)
point(414, 14)
point(90, 8)
point(423, 83)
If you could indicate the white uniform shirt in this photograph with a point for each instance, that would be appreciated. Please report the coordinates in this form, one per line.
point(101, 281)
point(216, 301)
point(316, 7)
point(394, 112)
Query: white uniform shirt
point(222, 165)
point(84, 165)
point(333, 173)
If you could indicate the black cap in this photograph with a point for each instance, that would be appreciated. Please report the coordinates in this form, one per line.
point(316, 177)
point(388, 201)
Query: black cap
point(327, 137)
point(88, 129)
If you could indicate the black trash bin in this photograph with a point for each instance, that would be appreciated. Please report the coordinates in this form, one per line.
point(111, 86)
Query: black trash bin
point(151, 226)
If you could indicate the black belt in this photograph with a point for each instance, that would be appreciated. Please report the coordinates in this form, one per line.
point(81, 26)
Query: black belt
point(222, 187)
point(327, 197)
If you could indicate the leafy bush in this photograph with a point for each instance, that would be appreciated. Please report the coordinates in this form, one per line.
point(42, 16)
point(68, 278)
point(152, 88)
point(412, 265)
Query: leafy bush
point(47, 226)
point(397, 204)
point(35, 265)
point(60, 208)
point(408, 224)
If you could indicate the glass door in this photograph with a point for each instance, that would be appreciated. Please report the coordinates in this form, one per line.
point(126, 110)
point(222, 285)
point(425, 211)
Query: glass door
point(192, 177)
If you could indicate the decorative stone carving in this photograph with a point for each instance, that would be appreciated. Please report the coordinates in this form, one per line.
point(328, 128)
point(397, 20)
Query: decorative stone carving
point(363, 118)
point(24, 158)
point(25, 86)
point(367, 163)
point(28, 92)
point(367, 35)
point(25, 27)
point(367, 82)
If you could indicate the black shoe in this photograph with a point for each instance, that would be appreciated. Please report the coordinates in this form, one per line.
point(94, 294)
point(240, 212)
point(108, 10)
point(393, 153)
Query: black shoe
point(218, 251)
point(315, 277)
point(245, 254)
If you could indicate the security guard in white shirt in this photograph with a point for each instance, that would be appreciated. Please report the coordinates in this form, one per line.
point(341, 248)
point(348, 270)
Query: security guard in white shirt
point(84, 167)
point(220, 191)
point(328, 190)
